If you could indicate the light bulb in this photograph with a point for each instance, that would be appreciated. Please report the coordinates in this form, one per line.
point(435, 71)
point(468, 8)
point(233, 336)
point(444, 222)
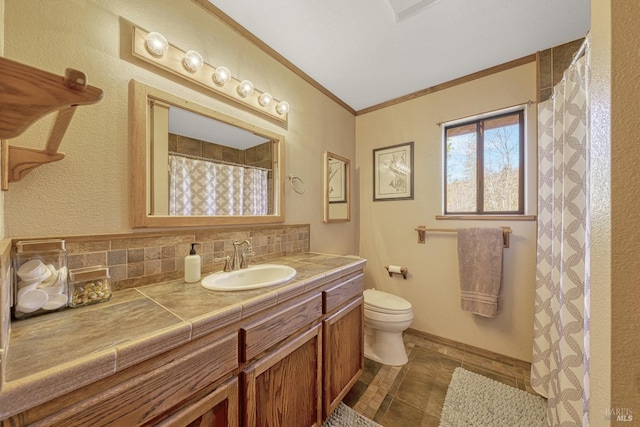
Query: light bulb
point(283, 107)
point(192, 61)
point(245, 88)
point(265, 99)
point(156, 44)
point(221, 76)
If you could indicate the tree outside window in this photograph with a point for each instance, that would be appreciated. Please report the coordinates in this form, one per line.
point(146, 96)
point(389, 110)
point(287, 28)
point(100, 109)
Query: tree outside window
point(484, 166)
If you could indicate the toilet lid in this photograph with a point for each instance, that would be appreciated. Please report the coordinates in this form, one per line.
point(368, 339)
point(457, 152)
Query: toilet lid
point(385, 303)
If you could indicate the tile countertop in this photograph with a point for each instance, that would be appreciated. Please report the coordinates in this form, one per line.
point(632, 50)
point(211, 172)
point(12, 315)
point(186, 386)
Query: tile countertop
point(57, 353)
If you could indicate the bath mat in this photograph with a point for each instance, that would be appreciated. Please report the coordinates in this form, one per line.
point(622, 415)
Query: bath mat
point(474, 400)
point(343, 416)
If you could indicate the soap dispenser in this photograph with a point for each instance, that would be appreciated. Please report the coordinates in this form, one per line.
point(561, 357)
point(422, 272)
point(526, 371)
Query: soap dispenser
point(192, 265)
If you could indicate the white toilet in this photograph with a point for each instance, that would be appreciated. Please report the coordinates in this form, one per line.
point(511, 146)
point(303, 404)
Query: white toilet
point(386, 316)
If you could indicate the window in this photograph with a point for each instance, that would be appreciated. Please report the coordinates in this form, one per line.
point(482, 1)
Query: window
point(484, 165)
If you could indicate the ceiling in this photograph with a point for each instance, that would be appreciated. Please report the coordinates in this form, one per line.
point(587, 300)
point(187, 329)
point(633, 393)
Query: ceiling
point(361, 53)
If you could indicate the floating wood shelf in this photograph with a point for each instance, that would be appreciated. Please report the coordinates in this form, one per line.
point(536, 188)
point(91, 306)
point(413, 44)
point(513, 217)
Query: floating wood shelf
point(28, 94)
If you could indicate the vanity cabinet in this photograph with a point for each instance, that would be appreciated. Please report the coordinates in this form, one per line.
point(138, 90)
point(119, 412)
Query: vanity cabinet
point(283, 388)
point(263, 334)
point(343, 346)
point(300, 382)
point(151, 391)
point(281, 382)
point(217, 409)
point(288, 364)
point(343, 340)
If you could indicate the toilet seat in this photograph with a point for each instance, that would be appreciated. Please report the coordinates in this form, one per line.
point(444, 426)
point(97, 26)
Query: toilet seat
point(386, 317)
point(384, 303)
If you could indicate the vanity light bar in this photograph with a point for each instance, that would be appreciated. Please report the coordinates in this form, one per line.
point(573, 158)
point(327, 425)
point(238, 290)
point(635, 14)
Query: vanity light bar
point(154, 49)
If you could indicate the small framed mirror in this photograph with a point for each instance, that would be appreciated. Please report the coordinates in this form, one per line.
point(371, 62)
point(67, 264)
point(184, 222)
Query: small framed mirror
point(337, 188)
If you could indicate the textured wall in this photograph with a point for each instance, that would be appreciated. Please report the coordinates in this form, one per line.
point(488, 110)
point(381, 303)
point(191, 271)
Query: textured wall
point(625, 206)
point(88, 191)
point(388, 235)
point(600, 102)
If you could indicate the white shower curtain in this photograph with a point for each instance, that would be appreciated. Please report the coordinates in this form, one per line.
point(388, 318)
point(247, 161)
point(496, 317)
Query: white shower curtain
point(201, 187)
point(560, 364)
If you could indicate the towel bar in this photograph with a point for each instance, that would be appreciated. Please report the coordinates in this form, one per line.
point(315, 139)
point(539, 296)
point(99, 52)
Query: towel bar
point(421, 229)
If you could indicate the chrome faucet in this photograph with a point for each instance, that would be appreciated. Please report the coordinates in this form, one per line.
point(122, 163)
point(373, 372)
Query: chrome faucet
point(237, 262)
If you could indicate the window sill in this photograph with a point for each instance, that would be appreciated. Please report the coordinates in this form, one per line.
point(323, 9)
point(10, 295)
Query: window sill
point(488, 217)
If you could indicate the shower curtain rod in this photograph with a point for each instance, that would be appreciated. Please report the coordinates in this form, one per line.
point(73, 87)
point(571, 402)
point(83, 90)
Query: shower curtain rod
point(207, 159)
point(581, 50)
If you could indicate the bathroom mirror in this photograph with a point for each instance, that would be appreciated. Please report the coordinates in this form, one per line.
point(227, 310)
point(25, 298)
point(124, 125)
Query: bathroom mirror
point(194, 166)
point(337, 188)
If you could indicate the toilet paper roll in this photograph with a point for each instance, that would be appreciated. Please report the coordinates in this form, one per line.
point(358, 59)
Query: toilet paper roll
point(395, 269)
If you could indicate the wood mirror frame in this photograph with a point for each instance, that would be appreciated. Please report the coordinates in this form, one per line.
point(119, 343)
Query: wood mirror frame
point(141, 176)
point(337, 207)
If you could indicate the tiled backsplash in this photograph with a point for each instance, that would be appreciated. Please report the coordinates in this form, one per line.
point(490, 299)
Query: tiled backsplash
point(137, 259)
point(259, 155)
point(551, 66)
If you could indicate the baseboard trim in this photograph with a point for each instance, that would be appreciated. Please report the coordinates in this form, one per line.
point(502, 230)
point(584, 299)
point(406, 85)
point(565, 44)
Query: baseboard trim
point(472, 349)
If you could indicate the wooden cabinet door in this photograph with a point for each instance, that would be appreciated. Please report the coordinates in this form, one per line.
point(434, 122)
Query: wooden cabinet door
point(143, 393)
point(218, 409)
point(343, 348)
point(283, 389)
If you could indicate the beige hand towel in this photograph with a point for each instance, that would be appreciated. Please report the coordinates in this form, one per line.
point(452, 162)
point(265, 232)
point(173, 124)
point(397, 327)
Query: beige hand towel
point(480, 269)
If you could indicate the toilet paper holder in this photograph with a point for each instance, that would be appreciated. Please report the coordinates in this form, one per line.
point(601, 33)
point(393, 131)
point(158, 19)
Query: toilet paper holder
point(403, 271)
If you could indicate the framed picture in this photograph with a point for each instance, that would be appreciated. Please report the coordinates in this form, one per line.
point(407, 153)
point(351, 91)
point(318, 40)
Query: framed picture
point(393, 172)
point(337, 181)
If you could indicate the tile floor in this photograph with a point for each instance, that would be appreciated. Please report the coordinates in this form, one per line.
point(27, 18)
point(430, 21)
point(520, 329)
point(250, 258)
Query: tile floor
point(412, 395)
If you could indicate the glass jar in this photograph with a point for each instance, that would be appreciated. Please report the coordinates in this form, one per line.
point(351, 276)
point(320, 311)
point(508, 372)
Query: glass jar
point(89, 285)
point(40, 277)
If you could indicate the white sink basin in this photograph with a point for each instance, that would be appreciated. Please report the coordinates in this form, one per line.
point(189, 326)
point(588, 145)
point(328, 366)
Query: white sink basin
point(253, 277)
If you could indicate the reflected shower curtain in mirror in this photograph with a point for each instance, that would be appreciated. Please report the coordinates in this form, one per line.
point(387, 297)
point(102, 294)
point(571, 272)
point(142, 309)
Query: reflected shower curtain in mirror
point(560, 363)
point(202, 187)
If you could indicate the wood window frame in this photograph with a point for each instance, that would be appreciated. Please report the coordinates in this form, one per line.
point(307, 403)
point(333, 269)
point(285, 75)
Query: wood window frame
point(479, 122)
